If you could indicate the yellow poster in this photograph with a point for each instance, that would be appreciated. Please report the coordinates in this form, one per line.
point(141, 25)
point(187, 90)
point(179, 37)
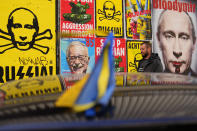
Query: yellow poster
point(31, 87)
point(138, 19)
point(137, 79)
point(109, 17)
point(133, 55)
point(27, 39)
point(119, 80)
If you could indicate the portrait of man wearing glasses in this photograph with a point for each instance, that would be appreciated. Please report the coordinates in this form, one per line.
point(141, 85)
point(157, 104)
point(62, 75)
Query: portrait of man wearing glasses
point(77, 57)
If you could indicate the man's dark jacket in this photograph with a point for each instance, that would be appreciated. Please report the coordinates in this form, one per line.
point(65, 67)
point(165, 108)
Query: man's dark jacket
point(153, 64)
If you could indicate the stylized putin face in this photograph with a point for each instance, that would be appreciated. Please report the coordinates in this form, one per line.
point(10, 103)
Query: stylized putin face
point(23, 28)
point(109, 9)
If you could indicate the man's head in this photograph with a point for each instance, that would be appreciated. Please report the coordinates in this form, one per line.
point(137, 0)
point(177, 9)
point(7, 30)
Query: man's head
point(145, 48)
point(109, 9)
point(23, 28)
point(176, 36)
point(77, 57)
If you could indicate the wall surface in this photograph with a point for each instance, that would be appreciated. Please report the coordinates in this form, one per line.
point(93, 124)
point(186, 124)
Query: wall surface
point(31, 45)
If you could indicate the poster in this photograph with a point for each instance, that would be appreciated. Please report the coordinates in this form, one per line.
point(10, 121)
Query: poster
point(119, 52)
point(135, 79)
point(37, 86)
point(138, 19)
point(133, 55)
point(174, 35)
point(77, 17)
point(109, 17)
point(68, 80)
point(120, 79)
point(77, 55)
point(172, 79)
point(27, 39)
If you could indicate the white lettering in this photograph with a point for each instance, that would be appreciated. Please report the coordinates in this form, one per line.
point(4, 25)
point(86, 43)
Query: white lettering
point(77, 26)
point(98, 51)
point(119, 52)
point(118, 43)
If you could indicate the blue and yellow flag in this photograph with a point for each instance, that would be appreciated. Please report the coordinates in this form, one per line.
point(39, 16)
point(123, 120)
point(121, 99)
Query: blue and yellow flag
point(95, 88)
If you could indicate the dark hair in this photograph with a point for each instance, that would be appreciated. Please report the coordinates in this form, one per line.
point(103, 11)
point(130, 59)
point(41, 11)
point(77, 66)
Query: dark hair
point(108, 2)
point(148, 44)
point(10, 19)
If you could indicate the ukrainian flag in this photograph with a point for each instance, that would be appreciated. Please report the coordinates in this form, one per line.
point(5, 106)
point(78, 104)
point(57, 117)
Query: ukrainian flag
point(95, 88)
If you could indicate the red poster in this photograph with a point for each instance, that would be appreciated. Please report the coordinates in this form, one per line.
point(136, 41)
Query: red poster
point(77, 17)
point(119, 52)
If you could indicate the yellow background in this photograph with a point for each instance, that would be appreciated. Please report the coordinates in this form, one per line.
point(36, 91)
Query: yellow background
point(46, 14)
point(138, 79)
point(109, 23)
point(131, 54)
point(119, 80)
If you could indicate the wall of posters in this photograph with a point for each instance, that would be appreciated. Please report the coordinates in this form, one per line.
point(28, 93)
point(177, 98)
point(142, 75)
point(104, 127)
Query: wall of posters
point(77, 55)
point(109, 17)
point(138, 19)
point(77, 17)
point(29, 45)
point(27, 39)
point(119, 52)
point(174, 35)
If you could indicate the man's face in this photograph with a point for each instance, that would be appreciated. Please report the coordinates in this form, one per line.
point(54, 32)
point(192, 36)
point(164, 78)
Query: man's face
point(144, 50)
point(23, 29)
point(176, 41)
point(78, 59)
point(109, 10)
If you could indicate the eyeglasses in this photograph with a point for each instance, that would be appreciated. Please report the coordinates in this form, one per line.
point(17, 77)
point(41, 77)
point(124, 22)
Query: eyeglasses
point(80, 57)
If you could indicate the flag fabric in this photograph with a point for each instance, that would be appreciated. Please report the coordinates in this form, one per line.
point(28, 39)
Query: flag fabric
point(95, 88)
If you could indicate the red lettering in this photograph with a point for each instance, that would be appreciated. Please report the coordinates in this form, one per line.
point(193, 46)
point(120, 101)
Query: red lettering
point(185, 7)
point(169, 5)
point(164, 4)
point(175, 5)
point(159, 4)
point(155, 3)
point(194, 8)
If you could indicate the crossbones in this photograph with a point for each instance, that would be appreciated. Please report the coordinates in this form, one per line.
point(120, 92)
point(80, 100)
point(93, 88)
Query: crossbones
point(23, 33)
point(109, 12)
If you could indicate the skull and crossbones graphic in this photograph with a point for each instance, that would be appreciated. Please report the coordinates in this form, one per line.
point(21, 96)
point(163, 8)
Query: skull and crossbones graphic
point(109, 12)
point(23, 32)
